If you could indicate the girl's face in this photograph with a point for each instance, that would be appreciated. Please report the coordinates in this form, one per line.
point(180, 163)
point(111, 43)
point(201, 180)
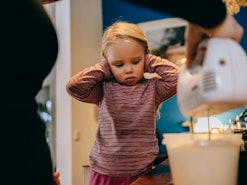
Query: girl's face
point(126, 59)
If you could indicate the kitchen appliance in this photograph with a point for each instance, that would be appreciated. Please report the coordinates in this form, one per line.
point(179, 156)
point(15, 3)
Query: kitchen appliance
point(216, 82)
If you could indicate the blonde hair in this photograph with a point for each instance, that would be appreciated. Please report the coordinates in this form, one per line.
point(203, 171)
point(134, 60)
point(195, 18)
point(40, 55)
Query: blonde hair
point(125, 31)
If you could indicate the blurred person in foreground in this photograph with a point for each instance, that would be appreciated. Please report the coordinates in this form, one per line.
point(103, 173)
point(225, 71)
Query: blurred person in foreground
point(29, 48)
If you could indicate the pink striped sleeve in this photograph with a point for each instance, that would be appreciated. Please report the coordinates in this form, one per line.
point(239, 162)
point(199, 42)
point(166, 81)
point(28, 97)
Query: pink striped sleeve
point(86, 85)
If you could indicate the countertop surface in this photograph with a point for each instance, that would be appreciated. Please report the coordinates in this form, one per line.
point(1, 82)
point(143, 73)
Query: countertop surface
point(159, 175)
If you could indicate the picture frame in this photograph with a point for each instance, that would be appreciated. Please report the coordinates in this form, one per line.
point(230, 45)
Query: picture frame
point(166, 38)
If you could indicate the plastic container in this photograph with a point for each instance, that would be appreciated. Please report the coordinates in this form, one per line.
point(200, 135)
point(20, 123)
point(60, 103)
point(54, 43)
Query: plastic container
point(199, 160)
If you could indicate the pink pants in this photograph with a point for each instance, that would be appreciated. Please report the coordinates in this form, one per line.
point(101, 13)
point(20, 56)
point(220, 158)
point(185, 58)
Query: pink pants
point(100, 179)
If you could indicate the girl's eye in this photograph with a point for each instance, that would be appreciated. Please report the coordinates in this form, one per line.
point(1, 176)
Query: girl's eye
point(135, 62)
point(119, 65)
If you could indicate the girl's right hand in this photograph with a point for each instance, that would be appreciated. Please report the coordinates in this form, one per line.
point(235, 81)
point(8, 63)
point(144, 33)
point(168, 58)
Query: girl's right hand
point(106, 69)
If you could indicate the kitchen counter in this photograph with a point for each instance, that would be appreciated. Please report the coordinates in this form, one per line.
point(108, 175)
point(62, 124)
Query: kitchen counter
point(159, 175)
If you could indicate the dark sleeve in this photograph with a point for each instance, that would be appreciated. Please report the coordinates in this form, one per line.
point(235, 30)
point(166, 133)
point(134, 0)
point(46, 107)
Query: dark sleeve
point(206, 13)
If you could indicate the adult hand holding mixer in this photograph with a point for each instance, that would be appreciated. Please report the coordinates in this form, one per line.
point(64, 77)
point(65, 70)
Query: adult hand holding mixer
point(213, 84)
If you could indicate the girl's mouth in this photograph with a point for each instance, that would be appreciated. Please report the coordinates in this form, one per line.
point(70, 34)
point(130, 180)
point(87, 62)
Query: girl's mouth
point(130, 79)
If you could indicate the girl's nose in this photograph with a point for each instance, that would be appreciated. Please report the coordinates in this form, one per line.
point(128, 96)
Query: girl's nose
point(128, 69)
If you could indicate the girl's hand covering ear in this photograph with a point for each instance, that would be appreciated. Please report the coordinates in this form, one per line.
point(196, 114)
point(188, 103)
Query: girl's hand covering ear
point(147, 64)
point(106, 69)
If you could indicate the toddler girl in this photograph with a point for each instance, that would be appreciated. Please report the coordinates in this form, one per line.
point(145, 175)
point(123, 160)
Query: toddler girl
point(126, 143)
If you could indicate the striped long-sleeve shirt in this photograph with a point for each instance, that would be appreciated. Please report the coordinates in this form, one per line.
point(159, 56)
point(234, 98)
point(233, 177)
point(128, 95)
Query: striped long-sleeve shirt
point(126, 142)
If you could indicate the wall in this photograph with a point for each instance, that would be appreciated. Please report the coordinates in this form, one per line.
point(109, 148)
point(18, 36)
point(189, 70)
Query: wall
point(86, 25)
point(79, 27)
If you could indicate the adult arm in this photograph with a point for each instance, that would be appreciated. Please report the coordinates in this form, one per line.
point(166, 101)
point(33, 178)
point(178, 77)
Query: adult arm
point(206, 13)
point(206, 18)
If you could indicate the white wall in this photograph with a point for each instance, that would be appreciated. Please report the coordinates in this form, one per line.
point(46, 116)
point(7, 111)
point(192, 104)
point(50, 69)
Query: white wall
point(86, 36)
point(63, 105)
point(79, 26)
